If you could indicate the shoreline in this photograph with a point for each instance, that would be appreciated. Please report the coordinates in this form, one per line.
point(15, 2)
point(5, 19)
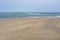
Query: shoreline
point(28, 18)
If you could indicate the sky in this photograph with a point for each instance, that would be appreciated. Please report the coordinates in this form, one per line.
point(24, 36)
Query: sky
point(29, 5)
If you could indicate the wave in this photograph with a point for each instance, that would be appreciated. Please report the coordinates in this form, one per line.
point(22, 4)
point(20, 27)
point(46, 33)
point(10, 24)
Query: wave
point(58, 16)
point(29, 13)
point(33, 13)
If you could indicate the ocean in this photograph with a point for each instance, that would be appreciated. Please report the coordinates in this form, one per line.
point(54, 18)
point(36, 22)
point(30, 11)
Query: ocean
point(7, 15)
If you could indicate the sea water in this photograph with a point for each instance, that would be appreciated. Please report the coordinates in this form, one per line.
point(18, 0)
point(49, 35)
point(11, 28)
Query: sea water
point(8, 15)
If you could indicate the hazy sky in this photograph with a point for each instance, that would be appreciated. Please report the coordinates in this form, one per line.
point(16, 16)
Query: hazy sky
point(29, 5)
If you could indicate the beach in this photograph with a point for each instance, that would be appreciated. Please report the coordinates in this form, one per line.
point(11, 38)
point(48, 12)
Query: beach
point(30, 29)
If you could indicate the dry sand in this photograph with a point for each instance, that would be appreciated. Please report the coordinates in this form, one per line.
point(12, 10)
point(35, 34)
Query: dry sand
point(30, 29)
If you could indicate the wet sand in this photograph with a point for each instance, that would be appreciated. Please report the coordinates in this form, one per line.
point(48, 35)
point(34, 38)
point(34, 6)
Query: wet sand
point(30, 29)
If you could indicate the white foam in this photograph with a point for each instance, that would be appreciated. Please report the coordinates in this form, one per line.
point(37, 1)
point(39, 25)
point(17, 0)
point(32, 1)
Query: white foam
point(29, 13)
point(37, 14)
point(57, 16)
point(34, 13)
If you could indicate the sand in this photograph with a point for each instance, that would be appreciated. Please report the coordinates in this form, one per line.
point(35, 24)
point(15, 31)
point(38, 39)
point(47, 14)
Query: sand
point(30, 29)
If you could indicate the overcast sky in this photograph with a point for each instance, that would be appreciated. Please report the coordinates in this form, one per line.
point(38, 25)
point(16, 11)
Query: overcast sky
point(29, 5)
